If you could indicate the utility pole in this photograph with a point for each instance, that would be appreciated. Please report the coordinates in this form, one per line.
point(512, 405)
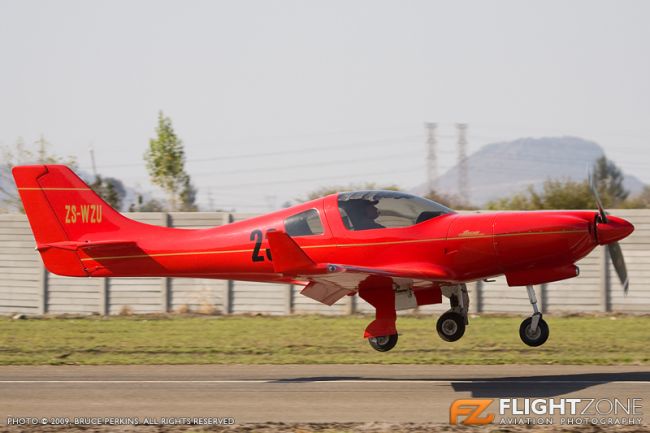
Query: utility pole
point(463, 182)
point(270, 201)
point(91, 149)
point(210, 200)
point(432, 158)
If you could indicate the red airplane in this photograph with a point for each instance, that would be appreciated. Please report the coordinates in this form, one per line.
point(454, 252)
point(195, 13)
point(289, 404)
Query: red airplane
point(395, 250)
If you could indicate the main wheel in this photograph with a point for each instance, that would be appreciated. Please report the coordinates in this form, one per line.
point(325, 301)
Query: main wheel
point(451, 326)
point(531, 338)
point(383, 343)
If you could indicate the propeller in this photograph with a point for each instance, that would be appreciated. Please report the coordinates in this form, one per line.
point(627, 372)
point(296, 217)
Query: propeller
point(599, 203)
point(616, 255)
point(613, 248)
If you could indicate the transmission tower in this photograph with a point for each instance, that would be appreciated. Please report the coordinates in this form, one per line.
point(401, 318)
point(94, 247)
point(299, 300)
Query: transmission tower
point(463, 187)
point(432, 158)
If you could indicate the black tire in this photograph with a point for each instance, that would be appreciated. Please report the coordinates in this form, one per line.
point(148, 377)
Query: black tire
point(451, 326)
point(383, 343)
point(537, 338)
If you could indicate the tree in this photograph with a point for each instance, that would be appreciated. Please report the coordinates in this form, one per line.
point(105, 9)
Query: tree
point(166, 165)
point(639, 201)
point(452, 201)
point(151, 205)
point(565, 195)
point(609, 181)
point(556, 194)
point(21, 154)
point(570, 194)
point(110, 189)
point(188, 196)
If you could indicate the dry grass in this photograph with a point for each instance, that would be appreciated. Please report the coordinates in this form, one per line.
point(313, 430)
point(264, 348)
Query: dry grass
point(171, 339)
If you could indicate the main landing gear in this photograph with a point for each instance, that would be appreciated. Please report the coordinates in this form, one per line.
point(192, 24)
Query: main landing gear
point(451, 324)
point(381, 332)
point(534, 330)
point(383, 343)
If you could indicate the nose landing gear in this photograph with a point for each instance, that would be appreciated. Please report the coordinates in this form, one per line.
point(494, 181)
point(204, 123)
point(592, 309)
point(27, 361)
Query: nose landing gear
point(451, 324)
point(534, 330)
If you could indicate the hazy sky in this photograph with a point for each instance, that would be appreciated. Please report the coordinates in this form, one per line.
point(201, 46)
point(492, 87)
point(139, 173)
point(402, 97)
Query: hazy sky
point(275, 98)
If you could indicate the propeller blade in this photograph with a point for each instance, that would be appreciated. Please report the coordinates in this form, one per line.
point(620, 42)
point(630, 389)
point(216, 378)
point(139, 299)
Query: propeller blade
point(594, 190)
point(616, 255)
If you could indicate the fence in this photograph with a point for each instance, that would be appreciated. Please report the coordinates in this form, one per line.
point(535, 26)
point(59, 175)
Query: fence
point(26, 287)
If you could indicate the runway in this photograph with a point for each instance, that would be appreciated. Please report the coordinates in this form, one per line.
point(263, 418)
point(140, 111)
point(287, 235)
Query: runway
point(298, 393)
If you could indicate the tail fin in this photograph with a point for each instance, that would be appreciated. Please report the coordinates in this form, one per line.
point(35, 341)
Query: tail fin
point(66, 215)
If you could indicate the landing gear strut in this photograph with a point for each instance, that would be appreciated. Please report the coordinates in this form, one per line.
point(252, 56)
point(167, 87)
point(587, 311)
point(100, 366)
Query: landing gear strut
point(381, 332)
point(534, 330)
point(451, 324)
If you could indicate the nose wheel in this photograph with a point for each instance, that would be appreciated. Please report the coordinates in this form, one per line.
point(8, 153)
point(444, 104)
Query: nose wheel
point(533, 335)
point(534, 330)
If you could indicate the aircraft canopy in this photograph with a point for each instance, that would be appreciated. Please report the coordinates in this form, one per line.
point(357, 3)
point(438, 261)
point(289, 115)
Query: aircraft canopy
point(365, 210)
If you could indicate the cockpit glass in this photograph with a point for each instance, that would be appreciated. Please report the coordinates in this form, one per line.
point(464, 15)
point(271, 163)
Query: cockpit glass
point(305, 223)
point(365, 210)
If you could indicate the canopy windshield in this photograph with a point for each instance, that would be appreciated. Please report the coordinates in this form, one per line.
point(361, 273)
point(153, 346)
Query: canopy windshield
point(365, 210)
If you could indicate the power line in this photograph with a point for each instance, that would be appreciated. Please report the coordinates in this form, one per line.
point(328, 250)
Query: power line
point(307, 165)
point(387, 141)
point(410, 169)
point(342, 178)
point(497, 168)
point(372, 143)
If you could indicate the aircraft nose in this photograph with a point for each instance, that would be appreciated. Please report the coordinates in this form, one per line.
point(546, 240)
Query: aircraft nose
point(614, 230)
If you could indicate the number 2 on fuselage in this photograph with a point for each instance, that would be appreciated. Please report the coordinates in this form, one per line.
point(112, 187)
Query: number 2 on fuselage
point(258, 237)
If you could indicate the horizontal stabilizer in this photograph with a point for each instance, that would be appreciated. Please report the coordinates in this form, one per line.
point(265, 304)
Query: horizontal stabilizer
point(94, 246)
point(288, 257)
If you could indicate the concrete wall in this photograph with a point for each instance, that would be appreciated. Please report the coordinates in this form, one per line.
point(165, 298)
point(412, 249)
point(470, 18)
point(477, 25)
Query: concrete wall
point(25, 287)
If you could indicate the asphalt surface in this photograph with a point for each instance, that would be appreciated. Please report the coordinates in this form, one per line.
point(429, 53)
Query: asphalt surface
point(298, 393)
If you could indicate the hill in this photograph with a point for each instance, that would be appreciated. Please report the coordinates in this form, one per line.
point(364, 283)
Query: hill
point(501, 169)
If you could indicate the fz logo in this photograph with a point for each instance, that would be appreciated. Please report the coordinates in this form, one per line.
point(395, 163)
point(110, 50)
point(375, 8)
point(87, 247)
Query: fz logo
point(470, 409)
point(83, 213)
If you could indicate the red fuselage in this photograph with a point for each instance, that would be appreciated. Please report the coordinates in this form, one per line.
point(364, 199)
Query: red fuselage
point(78, 234)
point(543, 245)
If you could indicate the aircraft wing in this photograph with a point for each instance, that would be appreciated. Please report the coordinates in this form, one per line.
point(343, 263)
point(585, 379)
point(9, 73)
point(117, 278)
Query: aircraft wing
point(327, 283)
point(345, 280)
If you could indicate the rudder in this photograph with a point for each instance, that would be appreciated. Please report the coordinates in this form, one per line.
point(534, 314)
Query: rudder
point(62, 208)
